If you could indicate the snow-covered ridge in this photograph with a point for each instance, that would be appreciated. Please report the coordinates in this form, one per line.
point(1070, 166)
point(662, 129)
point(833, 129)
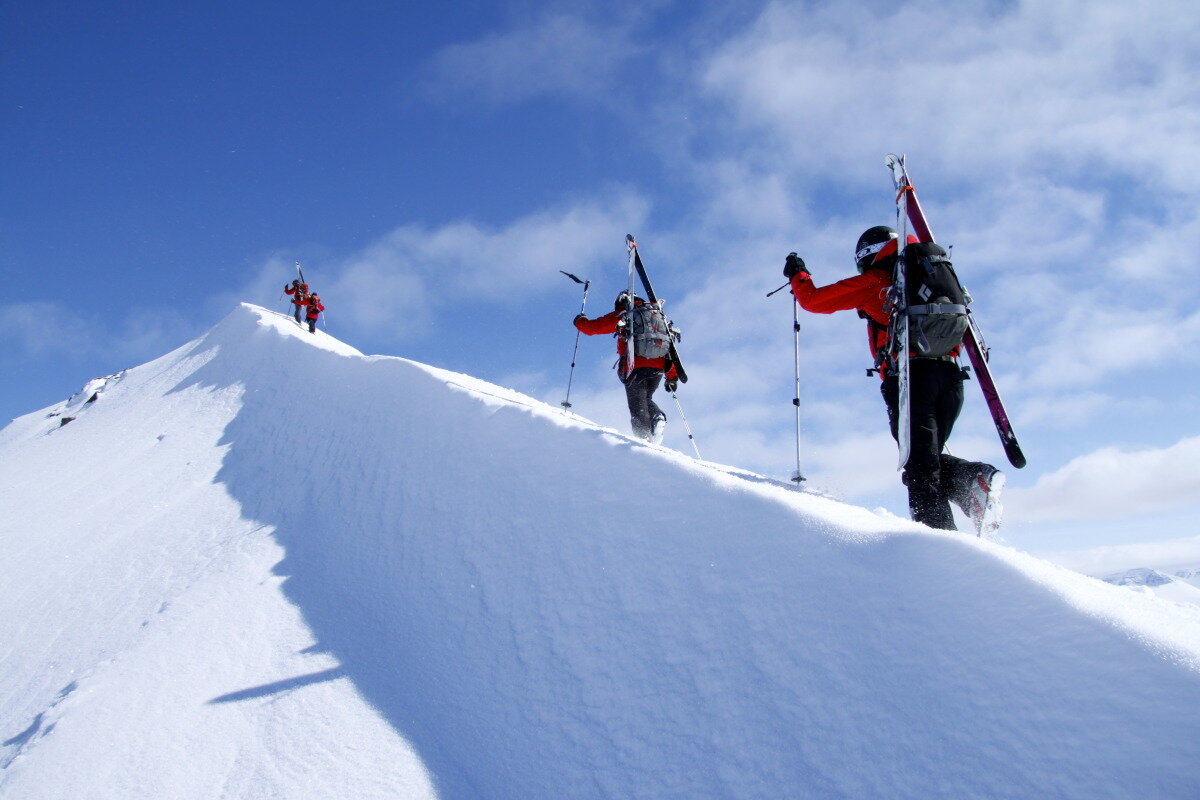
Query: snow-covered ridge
point(266, 565)
point(1179, 585)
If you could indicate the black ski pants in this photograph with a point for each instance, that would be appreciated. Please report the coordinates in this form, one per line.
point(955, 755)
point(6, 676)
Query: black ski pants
point(640, 386)
point(933, 478)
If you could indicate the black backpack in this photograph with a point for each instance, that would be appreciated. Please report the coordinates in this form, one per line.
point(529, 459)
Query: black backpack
point(936, 301)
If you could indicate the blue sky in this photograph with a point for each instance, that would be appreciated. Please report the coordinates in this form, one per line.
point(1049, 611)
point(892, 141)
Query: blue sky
point(434, 166)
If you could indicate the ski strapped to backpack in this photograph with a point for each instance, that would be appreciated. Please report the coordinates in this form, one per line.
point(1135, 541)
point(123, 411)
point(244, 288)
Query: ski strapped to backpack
point(626, 300)
point(897, 302)
point(672, 354)
point(939, 316)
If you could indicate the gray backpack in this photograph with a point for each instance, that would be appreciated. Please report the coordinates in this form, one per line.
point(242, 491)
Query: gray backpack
point(651, 333)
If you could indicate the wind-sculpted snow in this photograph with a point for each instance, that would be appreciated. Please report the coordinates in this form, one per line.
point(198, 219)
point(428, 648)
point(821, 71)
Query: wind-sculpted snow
point(483, 597)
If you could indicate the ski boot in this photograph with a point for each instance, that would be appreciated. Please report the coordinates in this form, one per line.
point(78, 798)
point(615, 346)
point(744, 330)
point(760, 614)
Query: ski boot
point(983, 501)
point(658, 429)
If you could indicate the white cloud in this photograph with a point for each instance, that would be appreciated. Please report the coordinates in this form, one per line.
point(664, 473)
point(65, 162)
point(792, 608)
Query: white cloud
point(43, 330)
point(1039, 85)
point(556, 54)
point(1162, 555)
point(39, 329)
point(1074, 410)
point(396, 286)
point(1091, 341)
point(1112, 484)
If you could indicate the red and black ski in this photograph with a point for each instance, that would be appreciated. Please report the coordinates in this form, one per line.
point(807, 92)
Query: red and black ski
point(631, 243)
point(973, 341)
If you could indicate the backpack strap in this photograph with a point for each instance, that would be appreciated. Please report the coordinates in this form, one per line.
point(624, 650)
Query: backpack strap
point(936, 308)
point(877, 331)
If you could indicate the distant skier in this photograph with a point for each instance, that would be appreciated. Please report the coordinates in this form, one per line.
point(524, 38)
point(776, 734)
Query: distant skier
point(934, 479)
point(315, 307)
point(299, 292)
point(651, 335)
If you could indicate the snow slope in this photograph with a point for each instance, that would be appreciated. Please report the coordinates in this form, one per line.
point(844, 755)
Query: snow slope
point(266, 565)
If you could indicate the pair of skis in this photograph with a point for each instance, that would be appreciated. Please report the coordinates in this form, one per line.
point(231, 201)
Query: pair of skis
point(635, 265)
point(908, 210)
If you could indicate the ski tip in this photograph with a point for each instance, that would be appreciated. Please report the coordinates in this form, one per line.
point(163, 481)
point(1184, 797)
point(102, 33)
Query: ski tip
point(630, 240)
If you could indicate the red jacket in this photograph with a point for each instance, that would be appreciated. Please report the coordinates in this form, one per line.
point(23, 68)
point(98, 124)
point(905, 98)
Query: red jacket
point(300, 291)
point(608, 324)
point(865, 293)
point(315, 307)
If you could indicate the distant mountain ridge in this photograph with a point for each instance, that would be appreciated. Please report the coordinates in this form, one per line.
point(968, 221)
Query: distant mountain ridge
point(1180, 584)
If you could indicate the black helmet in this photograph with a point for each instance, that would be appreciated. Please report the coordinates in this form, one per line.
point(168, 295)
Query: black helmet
point(623, 300)
point(870, 243)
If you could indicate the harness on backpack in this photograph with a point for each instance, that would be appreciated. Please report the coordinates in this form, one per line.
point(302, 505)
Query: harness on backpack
point(650, 332)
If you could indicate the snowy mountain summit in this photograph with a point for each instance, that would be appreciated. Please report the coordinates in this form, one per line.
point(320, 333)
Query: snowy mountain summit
point(266, 565)
point(1179, 585)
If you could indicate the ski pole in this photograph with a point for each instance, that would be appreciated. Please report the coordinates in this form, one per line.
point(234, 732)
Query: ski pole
point(567, 402)
point(798, 476)
point(686, 426)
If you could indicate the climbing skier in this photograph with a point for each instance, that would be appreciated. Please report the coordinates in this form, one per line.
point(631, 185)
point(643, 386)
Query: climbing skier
point(934, 478)
point(644, 326)
point(299, 292)
point(315, 307)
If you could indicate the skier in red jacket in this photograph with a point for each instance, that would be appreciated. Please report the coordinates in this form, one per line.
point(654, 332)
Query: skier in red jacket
point(300, 297)
point(934, 478)
point(648, 420)
point(315, 307)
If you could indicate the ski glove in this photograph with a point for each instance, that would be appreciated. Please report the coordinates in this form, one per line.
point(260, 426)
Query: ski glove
point(794, 266)
point(671, 385)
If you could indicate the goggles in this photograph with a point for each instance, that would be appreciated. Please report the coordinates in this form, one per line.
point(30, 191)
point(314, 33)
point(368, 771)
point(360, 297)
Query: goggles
point(872, 249)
